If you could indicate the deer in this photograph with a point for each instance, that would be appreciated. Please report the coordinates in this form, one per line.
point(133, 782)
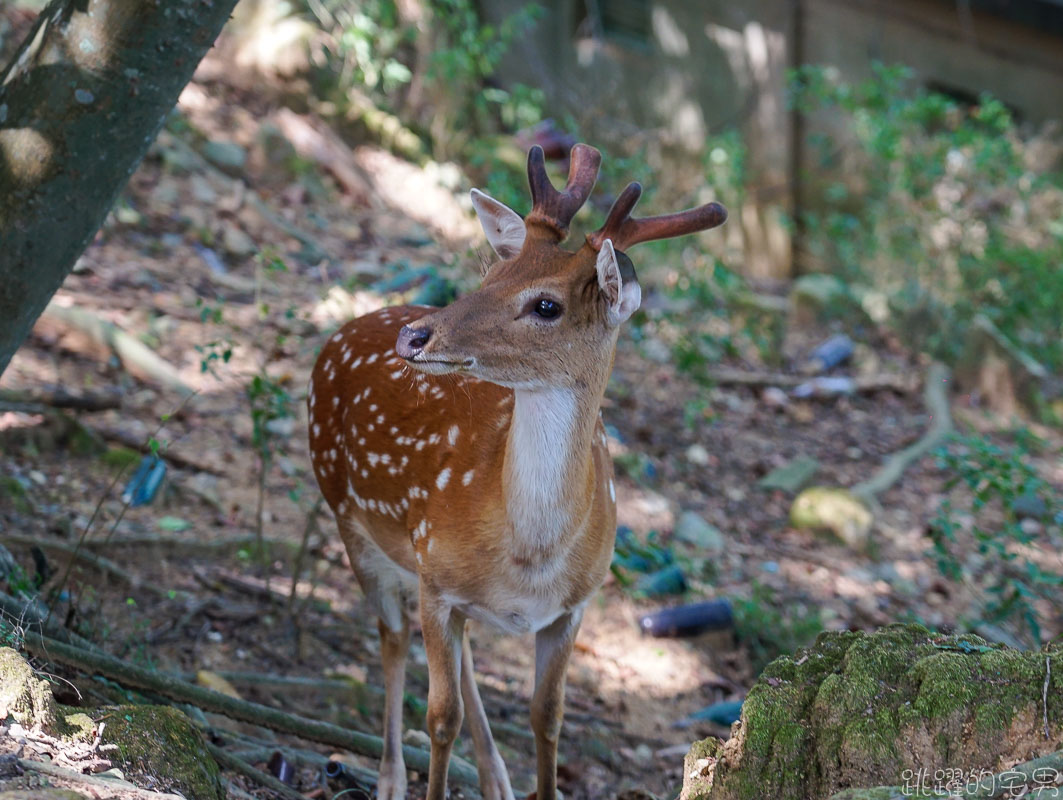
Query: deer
point(463, 453)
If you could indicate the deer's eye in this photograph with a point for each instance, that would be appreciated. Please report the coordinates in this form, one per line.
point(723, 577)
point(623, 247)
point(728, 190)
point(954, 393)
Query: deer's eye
point(547, 309)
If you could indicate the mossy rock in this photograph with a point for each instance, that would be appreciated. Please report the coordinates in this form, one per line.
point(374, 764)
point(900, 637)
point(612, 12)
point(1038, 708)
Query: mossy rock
point(159, 743)
point(23, 696)
point(857, 710)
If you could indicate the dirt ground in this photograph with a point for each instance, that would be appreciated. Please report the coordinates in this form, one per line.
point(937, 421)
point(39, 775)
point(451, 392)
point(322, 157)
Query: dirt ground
point(181, 244)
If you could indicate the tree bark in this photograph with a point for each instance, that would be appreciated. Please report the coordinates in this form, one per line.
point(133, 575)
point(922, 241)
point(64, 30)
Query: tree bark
point(80, 103)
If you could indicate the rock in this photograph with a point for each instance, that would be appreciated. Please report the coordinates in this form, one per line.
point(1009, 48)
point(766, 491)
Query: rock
point(42, 793)
point(791, 476)
point(838, 511)
point(225, 155)
point(698, 533)
point(696, 454)
point(23, 696)
point(1029, 505)
point(774, 397)
point(160, 744)
point(861, 710)
point(236, 242)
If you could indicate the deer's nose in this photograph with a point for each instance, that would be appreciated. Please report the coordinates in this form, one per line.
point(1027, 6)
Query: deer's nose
point(411, 341)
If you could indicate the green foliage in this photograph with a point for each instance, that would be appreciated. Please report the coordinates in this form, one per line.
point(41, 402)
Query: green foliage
point(467, 54)
point(1014, 519)
point(941, 208)
point(367, 47)
point(769, 632)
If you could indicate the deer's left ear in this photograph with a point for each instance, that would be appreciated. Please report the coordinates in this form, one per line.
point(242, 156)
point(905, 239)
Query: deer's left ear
point(503, 226)
point(622, 298)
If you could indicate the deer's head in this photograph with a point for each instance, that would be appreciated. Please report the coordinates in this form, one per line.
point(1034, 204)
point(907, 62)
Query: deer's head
point(546, 316)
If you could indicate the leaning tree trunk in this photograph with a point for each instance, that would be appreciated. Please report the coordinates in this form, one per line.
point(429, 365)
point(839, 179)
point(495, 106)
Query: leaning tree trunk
point(79, 105)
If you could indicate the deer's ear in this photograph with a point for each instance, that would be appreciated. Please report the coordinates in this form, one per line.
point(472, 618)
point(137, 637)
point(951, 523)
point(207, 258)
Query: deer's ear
point(622, 298)
point(504, 227)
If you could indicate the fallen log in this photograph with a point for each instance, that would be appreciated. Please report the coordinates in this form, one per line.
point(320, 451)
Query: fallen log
point(240, 710)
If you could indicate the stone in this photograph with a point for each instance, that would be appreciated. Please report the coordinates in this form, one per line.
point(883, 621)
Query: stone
point(227, 156)
point(792, 476)
point(695, 531)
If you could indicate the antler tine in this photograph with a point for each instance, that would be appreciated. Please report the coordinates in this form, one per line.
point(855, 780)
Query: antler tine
point(626, 231)
point(618, 215)
point(556, 209)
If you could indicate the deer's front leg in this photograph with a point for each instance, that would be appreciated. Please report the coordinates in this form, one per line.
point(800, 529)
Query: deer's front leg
point(442, 628)
point(553, 646)
point(494, 780)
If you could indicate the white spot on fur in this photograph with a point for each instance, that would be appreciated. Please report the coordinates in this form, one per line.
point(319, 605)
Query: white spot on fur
point(373, 459)
point(466, 479)
point(372, 358)
point(396, 374)
point(612, 490)
point(452, 435)
point(317, 429)
point(443, 478)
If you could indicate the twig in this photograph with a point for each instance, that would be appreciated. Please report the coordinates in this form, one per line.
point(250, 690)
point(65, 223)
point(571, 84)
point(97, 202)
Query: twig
point(59, 397)
point(1044, 692)
point(99, 562)
point(186, 545)
point(737, 377)
point(137, 358)
point(261, 751)
point(175, 457)
point(107, 784)
point(936, 397)
point(229, 761)
point(25, 613)
point(241, 710)
point(304, 546)
point(263, 680)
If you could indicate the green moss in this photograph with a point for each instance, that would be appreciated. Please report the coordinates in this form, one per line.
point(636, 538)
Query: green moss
point(160, 742)
point(24, 696)
point(119, 457)
point(858, 709)
point(76, 725)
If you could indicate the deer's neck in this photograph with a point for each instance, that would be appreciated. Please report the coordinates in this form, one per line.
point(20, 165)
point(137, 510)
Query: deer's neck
point(547, 465)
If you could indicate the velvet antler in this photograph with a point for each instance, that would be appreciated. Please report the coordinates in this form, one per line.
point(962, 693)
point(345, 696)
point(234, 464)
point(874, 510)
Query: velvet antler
point(555, 209)
point(625, 230)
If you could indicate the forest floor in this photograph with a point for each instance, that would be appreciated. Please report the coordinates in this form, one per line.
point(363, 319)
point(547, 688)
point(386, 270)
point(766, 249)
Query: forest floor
point(175, 266)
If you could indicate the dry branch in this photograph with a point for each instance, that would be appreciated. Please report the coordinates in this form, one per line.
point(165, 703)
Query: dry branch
point(137, 358)
point(935, 395)
point(137, 442)
point(739, 377)
point(105, 565)
point(58, 397)
point(229, 761)
point(105, 784)
point(241, 710)
point(25, 613)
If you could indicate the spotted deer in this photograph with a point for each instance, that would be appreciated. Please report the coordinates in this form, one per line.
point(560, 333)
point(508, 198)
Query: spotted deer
point(463, 453)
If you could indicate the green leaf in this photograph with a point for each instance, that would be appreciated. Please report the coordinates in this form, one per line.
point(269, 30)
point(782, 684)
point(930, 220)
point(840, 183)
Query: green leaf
point(174, 524)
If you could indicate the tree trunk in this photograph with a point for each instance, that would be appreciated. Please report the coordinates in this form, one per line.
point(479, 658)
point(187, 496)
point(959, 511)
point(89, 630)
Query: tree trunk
point(898, 707)
point(80, 103)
